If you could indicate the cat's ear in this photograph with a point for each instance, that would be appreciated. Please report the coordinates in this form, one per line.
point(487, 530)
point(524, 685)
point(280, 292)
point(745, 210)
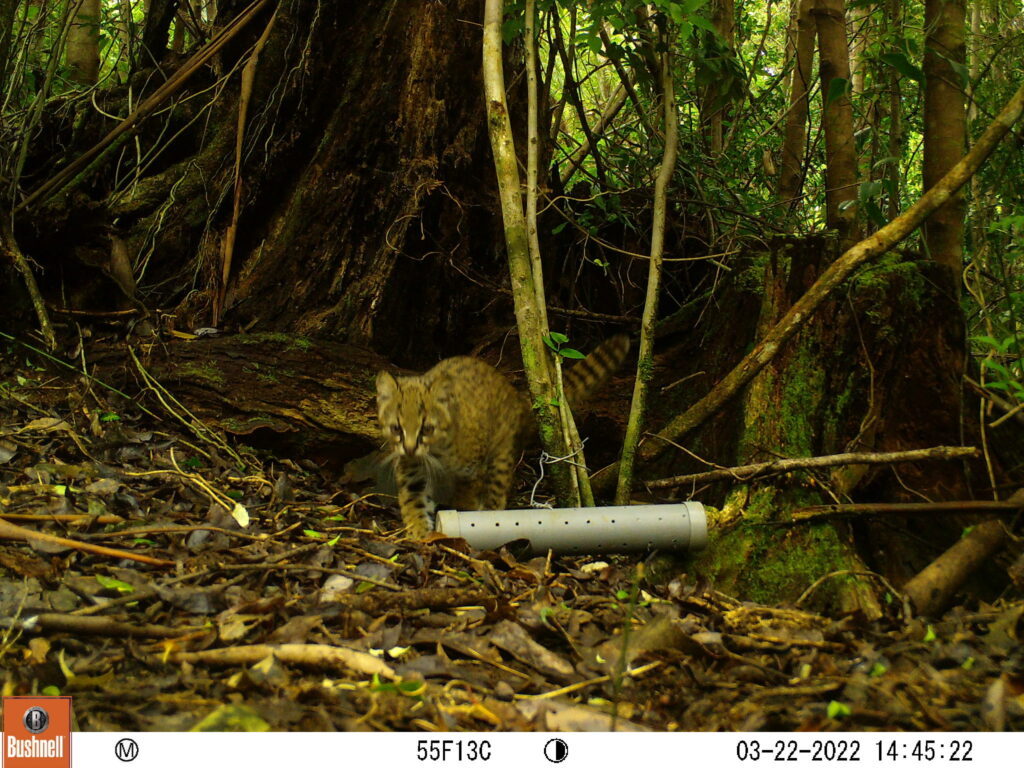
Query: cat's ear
point(387, 387)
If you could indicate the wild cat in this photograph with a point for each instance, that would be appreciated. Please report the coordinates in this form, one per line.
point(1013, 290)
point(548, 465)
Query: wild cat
point(454, 433)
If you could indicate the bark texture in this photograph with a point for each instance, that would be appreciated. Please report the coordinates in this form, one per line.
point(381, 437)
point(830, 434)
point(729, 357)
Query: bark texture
point(837, 120)
point(367, 204)
point(83, 46)
point(945, 123)
point(791, 176)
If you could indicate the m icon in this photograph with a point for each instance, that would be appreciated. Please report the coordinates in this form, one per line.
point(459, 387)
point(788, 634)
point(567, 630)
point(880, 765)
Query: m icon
point(126, 750)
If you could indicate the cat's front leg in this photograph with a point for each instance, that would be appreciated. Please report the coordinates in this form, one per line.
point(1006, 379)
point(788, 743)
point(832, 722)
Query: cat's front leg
point(415, 497)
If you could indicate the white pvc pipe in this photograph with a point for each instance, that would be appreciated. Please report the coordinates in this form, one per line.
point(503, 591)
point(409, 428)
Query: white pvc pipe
point(583, 530)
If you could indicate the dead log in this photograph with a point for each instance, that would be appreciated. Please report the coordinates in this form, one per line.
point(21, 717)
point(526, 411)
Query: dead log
point(305, 398)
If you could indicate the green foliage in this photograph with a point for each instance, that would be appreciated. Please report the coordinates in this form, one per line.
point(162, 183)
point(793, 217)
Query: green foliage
point(837, 710)
point(114, 584)
point(902, 64)
point(838, 87)
point(1003, 362)
point(555, 342)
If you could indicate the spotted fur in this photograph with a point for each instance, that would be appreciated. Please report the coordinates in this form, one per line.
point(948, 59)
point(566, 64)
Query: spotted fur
point(454, 433)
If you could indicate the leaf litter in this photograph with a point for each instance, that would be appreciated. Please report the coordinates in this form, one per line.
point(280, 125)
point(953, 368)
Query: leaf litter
point(168, 587)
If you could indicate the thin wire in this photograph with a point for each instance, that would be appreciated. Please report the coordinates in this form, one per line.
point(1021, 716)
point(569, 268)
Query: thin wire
point(547, 458)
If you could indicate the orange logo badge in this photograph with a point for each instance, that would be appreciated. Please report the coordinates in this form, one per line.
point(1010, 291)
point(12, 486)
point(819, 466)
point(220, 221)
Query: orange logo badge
point(37, 732)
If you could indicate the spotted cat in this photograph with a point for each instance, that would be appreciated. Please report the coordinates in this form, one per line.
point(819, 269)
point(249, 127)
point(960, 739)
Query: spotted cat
point(454, 433)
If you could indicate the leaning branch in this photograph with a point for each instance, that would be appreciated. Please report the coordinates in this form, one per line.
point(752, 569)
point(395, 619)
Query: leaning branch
point(834, 276)
point(60, 180)
point(908, 508)
point(751, 471)
point(9, 248)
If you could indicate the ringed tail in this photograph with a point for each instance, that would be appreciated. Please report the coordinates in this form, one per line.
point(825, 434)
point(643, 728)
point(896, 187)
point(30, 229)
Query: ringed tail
point(584, 378)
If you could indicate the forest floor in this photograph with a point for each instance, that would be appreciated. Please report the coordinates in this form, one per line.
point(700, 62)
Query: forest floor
point(316, 615)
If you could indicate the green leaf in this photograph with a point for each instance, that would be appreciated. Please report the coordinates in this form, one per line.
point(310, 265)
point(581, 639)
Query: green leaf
point(109, 417)
point(412, 687)
point(961, 71)
point(929, 635)
point(550, 343)
point(313, 534)
point(875, 214)
point(108, 583)
point(992, 342)
point(512, 28)
point(560, 338)
point(903, 65)
point(573, 354)
point(837, 710)
point(701, 23)
point(838, 87)
point(868, 190)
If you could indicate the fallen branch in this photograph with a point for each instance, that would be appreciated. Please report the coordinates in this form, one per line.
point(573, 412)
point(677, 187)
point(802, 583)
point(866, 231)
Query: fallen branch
point(932, 588)
point(16, 532)
point(63, 518)
point(299, 654)
point(750, 471)
point(101, 625)
point(908, 508)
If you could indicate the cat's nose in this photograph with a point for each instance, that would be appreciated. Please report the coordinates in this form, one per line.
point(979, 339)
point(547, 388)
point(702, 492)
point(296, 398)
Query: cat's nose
point(409, 446)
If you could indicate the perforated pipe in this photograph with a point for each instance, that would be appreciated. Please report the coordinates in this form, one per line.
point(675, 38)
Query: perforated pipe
point(583, 530)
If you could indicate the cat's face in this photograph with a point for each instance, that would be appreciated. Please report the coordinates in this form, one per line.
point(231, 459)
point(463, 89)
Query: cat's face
point(411, 419)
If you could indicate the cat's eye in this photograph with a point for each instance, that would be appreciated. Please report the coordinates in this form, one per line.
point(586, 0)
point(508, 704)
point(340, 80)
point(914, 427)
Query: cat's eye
point(396, 429)
point(427, 430)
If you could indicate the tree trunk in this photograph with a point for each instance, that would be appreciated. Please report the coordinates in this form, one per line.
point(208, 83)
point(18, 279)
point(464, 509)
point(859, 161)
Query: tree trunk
point(837, 120)
point(860, 21)
point(945, 124)
point(367, 200)
point(83, 46)
point(155, 31)
point(7, 11)
point(791, 176)
point(894, 18)
point(723, 16)
point(937, 349)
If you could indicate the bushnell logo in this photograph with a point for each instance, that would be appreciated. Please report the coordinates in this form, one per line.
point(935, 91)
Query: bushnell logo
point(36, 720)
point(37, 732)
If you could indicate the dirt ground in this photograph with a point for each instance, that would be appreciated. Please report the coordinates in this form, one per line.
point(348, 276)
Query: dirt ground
point(128, 581)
